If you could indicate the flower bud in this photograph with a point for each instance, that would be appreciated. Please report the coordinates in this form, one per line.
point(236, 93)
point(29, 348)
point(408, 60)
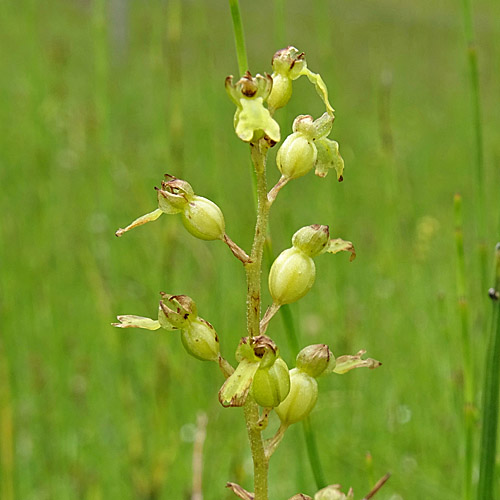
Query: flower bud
point(311, 239)
point(291, 277)
point(301, 398)
point(203, 219)
point(271, 385)
point(315, 360)
point(200, 340)
point(296, 156)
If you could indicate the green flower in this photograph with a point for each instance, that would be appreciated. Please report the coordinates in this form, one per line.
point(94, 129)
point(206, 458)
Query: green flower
point(252, 120)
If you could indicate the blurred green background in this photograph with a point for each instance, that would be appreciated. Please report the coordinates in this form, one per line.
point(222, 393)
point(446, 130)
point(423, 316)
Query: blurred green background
point(98, 100)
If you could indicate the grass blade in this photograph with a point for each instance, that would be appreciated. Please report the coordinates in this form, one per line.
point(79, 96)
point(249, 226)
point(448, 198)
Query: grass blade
point(486, 487)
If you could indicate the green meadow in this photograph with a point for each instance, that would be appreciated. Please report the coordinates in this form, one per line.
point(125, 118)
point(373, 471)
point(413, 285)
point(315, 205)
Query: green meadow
point(99, 99)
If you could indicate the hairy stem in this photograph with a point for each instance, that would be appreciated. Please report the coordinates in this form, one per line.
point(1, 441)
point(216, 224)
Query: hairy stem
point(253, 272)
point(239, 36)
point(260, 461)
point(254, 268)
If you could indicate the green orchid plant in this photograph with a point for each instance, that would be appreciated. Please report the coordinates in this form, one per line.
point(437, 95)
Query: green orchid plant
point(260, 381)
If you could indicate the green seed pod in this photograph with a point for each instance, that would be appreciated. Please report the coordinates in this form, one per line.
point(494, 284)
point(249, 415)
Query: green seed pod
point(281, 92)
point(315, 360)
point(200, 340)
point(203, 219)
point(291, 277)
point(301, 398)
point(296, 156)
point(312, 240)
point(271, 385)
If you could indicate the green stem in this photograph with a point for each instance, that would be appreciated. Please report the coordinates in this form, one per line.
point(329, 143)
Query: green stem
point(468, 370)
point(253, 272)
point(312, 453)
point(239, 36)
point(478, 132)
point(309, 434)
point(260, 461)
point(254, 269)
point(486, 487)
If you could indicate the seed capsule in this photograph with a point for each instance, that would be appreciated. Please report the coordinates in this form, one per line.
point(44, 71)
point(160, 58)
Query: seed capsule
point(312, 240)
point(271, 385)
point(315, 360)
point(296, 156)
point(301, 398)
point(200, 340)
point(291, 277)
point(203, 219)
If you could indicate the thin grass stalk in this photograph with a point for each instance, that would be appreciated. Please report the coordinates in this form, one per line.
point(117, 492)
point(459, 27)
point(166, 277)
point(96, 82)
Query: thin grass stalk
point(6, 431)
point(472, 57)
point(239, 36)
point(489, 411)
point(101, 72)
point(309, 434)
point(279, 23)
point(468, 370)
point(176, 124)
